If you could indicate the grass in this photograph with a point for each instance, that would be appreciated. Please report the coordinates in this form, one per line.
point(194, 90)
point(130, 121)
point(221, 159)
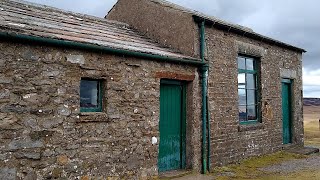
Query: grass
point(310, 175)
point(312, 133)
point(249, 169)
point(311, 126)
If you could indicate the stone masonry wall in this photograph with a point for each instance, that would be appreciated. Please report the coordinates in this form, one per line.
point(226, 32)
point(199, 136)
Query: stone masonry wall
point(231, 141)
point(43, 135)
point(168, 26)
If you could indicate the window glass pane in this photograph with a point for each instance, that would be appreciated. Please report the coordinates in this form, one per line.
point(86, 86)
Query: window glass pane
point(252, 113)
point(242, 113)
point(251, 97)
point(242, 96)
point(241, 63)
point(89, 94)
point(249, 64)
point(251, 81)
point(242, 80)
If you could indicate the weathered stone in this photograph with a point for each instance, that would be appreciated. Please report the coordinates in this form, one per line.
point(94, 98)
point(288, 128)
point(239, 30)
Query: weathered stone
point(2, 63)
point(15, 108)
point(56, 173)
point(51, 74)
point(36, 135)
point(76, 59)
point(61, 90)
point(114, 116)
point(3, 157)
point(5, 80)
point(62, 160)
point(64, 111)
point(139, 149)
point(49, 123)
point(29, 55)
point(71, 167)
point(133, 162)
point(28, 155)
point(24, 144)
point(4, 94)
point(40, 111)
point(288, 73)
point(8, 121)
point(85, 178)
point(31, 122)
point(42, 82)
point(31, 176)
point(48, 58)
point(8, 173)
point(34, 98)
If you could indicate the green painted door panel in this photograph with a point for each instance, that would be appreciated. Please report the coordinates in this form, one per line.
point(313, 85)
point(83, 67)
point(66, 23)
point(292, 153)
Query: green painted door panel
point(286, 112)
point(171, 148)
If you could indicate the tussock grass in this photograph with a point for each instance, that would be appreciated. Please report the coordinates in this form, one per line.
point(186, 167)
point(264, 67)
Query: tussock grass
point(301, 175)
point(311, 127)
point(249, 169)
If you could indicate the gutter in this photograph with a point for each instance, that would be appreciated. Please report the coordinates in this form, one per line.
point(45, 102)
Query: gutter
point(93, 47)
point(245, 33)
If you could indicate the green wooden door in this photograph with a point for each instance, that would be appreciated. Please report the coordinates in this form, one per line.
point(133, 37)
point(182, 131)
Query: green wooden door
point(286, 111)
point(172, 126)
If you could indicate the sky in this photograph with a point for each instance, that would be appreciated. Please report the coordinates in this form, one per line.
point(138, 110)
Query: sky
point(292, 21)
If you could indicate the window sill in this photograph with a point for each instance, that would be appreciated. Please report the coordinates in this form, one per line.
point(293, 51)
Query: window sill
point(92, 117)
point(250, 126)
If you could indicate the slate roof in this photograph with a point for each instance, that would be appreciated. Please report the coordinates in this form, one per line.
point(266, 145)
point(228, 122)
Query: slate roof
point(24, 18)
point(241, 30)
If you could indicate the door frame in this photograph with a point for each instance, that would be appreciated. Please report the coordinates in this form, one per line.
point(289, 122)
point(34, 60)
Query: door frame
point(183, 85)
point(288, 82)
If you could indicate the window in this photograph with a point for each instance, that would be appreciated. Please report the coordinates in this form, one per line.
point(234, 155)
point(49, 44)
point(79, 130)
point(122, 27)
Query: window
point(90, 95)
point(247, 90)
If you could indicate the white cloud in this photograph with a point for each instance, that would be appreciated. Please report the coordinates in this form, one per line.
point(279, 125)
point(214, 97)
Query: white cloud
point(311, 78)
point(311, 83)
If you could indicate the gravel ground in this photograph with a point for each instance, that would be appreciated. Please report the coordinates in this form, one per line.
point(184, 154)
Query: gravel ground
point(311, 163)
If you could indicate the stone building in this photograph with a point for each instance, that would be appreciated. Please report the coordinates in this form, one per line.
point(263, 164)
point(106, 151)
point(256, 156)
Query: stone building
point(151, 88)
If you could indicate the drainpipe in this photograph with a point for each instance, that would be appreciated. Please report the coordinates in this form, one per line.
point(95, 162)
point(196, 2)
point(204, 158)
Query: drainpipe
point(204, 74)
point(209, 135)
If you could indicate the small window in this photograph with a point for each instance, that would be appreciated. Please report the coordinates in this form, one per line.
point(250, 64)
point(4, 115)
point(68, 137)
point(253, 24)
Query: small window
point(248, 90)
point(90, 95)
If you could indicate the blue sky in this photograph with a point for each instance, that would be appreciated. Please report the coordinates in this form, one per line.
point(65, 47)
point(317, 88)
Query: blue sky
point(292, 21)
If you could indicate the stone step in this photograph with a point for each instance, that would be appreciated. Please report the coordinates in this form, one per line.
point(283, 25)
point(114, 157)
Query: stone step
point(304, 150)
point(174, 174)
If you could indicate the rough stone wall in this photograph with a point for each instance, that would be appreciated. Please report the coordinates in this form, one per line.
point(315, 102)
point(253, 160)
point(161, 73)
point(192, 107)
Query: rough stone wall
point(231, 141)
point(43, 135)
point(168, 26)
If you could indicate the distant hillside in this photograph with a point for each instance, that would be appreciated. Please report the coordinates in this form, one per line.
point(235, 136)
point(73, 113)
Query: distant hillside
point(311, 101)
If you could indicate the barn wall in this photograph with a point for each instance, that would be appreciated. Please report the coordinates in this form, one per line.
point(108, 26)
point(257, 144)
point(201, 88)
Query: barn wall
point(230, 140)
point(44, 135)
point(167, 26)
